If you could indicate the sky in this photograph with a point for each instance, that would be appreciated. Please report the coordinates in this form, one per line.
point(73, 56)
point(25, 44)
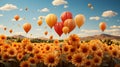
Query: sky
point(101, 11)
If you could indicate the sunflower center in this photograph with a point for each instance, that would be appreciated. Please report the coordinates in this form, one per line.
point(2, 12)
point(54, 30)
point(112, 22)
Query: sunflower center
point(65, 49)
point(51, 60)
point(99, 54)
point(72, 49)
point(3, 38)
point(30, 48)
point(25, 65)
point(6, 57)
point(96, 60)
point(79, 59)
point(84, 50)
point(114, 53)
point(47, 48)
point(94, 48)
point(88, 63)
point(32, 61)
point(11, 52)
point(69, 57)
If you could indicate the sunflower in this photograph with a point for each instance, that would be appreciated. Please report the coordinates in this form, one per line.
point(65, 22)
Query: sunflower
point(5, 56)
point(51, 59)
point(29, 48)
point(72, 50)
point(1, 43)
point(65, 48)
point(36, 50)
point(24, 64)
point(19, 56)
point(99, 53)
point(3, 37)
point(114, 53)
point(94, 47)
point(110, 47)
point(5, 47)
point(32, 60)
point(74, 39)
point(84, 48)
point(88, 63)
point(26, 41)
point(56, 41)
point(38, 57)
point(97, 60)
point(12, 52)
point(47, 48)
point(69, 57)
point(78, 59)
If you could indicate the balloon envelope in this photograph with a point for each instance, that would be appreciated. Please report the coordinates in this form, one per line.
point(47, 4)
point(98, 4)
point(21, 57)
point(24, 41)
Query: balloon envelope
point(79, 20)
point(70, 24)
point(65, 30)
point(16, 17)
point(46, 32)
point(39, 22)
point(10, 30)
point(27, 27)
point(58, 28)
point(102, 26)
point(66, 15)
point(51, 20)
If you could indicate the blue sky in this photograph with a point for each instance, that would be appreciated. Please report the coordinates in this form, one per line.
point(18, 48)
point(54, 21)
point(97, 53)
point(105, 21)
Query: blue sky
point(104, 11)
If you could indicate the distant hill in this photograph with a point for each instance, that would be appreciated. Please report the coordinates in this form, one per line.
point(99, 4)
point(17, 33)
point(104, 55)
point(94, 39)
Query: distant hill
point(101, 36)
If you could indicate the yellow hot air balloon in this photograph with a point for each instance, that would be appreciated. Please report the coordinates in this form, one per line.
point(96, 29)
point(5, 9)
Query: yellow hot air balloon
point(65, 30)
point(39, 22)
point(102, 26)
point(16, 17)
point(10, 30)
point(79, 20)
point(51, 20)
point(27, 27)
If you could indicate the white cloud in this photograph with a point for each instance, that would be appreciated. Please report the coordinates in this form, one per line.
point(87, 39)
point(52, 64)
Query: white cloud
point(94, 18)
point(65, 6)
point(115, 27)
point(59, 2)
point(2, 26)
point(18, 33)
point(21, 9)
point(44, 10)
point(109, 13)
point(43, 17)
point(34, 18)
point(90, 31)
point(18, 20)
point(1, 15)
point(8, 7)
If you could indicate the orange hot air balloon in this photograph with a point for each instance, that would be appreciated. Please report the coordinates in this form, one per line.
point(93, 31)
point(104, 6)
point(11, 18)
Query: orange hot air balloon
point(79, 20)
point(51, 37)
point(70, 24)
point(102, 26)
point(10, 30)
point(16, 17)
point(39, 22)
point(46, 32)
point(65, 30)
point(51, 20)
point(27, 27)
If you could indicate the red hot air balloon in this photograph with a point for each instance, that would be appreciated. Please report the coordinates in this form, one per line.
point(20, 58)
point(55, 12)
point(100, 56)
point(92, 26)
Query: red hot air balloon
point(66, 15)
point(58, 28)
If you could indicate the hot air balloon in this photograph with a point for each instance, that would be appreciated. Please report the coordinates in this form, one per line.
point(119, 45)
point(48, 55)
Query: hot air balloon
point(51, 20)
point(65, 30)
point(90, 6)
point(10, 30)
point(27, 27)
point(16, 17)
point(102, 26)
point(70, 24)
point(51, 37)
point(5, 28)
point(66, 15)
point(39, 22)
point(46, 32)
point(58, 28)
point(79, 20)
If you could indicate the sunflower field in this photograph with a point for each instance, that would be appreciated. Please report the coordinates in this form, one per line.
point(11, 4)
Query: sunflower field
point(70, 53)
